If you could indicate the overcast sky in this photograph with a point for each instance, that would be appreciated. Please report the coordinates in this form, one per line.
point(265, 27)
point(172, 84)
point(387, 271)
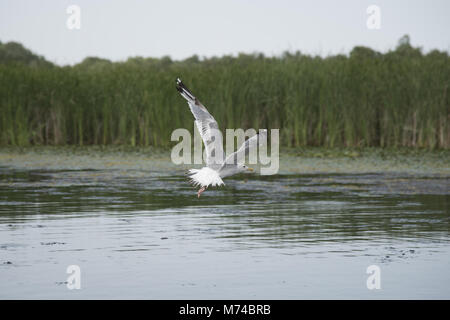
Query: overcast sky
point(116, 29)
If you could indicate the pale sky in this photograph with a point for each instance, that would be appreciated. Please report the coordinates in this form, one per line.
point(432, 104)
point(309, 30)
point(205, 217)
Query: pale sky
point(117, 30)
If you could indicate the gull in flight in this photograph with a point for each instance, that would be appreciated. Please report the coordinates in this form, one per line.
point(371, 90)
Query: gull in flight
point(217, 165)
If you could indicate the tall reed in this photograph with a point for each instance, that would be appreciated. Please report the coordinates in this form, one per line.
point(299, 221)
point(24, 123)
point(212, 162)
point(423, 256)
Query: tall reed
point(400, 98)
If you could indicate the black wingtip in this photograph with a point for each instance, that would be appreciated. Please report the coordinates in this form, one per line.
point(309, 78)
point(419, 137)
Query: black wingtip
point(183, 90)
point(179, 85)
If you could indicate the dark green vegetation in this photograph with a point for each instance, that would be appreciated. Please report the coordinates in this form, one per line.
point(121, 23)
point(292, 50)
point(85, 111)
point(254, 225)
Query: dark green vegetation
point(400, 98)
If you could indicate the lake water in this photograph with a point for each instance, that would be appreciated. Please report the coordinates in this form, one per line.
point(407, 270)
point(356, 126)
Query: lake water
point(135, 228)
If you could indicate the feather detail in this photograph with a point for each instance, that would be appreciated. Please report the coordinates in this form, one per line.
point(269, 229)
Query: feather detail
point(207, 127)
point(205, 177)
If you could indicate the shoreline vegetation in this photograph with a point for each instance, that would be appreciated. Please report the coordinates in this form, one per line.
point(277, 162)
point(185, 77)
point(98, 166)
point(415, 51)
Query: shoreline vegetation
point(391, 100)
point(307, 152)
point(299, 160)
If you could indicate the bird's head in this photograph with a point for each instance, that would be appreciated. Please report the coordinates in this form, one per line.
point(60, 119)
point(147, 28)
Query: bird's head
point(244, 168)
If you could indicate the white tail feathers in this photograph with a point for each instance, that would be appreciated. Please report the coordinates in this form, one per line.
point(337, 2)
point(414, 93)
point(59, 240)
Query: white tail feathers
point(205, 177)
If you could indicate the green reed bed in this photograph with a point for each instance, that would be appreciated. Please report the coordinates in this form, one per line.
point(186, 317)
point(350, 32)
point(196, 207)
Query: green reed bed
point(396, 99)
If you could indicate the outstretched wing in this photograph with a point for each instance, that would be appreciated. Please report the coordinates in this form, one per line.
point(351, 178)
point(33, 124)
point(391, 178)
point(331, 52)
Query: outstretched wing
point(207, 126)
point(239, 156)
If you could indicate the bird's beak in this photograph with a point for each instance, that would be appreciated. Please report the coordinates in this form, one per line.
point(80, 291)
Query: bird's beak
point(250, 169)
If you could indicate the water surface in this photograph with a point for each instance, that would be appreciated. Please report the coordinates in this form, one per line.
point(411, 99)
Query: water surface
point(136, 229)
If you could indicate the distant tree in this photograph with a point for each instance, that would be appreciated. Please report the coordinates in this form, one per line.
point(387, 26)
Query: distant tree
point(404, 47)
point(404, 41)
point(11, 52)
point(364, 53)
point(193, 59)
point(94, 62)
